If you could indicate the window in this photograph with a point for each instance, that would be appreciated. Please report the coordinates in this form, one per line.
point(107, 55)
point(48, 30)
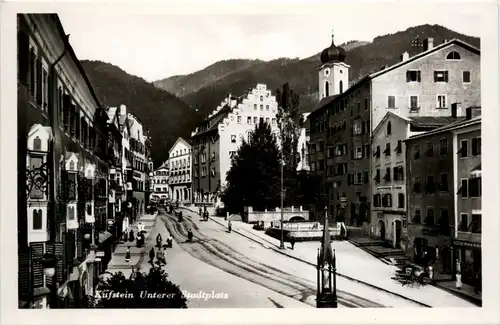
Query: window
point(376, 200)
point(430, 186)
point(356, 128)
point(476, 146)
point(213, 156)
point(239, 119)
point(267, 120)
point(274, 121)
point(399, 147)
point(233, 138)
point(453, 56)
point(45, 91)
point(413, 76)
point(391, 102)
point(416, 215)
point(443, 183)
point(261, 98)
point(231, 154)
point(387, 200)
point(414, 103)
point(416, 151)
point(389, 128)
point(443, 147)
point(441, 76)
point(377, 176)
point(416, 185)
point(463, 149)
point(358, 154)
point(462, 226)
point(249, 120)
point(430, 149)
point(464, 189)
point(341, 87)
point(401, 200)
point(387, 150)
point(387, 176)
point(37, 219)
point(254, 106)
point(475, 187)
point(359, 178)
point(35, 163)
point(267, 107)
point(441, 101)
point(366, 104)
point(377, 152)
point(429, 219)
point(261, 107)
point(365, 177)
point(475, 224)
point(466, 77)
point(255, 120)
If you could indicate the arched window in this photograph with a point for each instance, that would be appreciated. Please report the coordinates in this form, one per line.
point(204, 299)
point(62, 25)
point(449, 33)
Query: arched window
point(37, 144)
point(453, 56)
point(37, 219)
point(401, 200)
point(389, 128)
point(341, 87)
point(327, 89)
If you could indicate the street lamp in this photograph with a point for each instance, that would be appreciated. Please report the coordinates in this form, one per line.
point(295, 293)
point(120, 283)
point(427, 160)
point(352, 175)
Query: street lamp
point(282, 243)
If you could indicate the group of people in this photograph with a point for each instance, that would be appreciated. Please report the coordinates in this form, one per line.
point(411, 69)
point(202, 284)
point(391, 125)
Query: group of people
point(129, 236)
point(160, 253)
point(204, 215)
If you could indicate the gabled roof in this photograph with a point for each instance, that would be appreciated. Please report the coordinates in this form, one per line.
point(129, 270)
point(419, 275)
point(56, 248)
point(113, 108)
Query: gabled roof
point(215, 120)
point(436, 48)
point(386, 117)
point(460, 123)
point(324, 101)
point(179, 140)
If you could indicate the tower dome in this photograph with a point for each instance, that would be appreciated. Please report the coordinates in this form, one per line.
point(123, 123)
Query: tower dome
point(333, 54)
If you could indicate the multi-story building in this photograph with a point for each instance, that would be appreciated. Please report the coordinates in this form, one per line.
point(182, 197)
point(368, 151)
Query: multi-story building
point(467, 189)
point(63, 167)
point(303, 145)
point(137, 173)
point(219, 136)
point(388, 167)
point(160, 182)
point(179, 180)
point(431, 161)
point(423, 85)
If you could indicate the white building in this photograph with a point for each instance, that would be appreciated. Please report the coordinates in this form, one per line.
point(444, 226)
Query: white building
point(160, 182)
point(179, 180)
point(303, 145)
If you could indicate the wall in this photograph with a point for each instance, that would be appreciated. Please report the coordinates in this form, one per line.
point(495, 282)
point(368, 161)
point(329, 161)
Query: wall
point(180, 166)
point(270, 215)
point(394, 83)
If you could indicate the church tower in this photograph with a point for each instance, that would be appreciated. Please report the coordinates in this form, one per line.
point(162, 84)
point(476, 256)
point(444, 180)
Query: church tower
point(333, 74)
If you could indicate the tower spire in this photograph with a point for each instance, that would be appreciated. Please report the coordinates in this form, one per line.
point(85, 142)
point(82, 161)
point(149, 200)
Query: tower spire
point(333, 35)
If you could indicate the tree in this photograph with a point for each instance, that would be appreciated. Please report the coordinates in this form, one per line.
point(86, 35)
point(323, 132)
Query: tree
point(254, 176)
point(139, 290)
point(290, 122)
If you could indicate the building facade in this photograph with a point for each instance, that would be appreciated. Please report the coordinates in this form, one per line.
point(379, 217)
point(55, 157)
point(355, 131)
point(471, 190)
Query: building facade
point(423, 85)
point(389, 196)
point(160, 182)
point(179, 180)
point(63, 164)
point(467, 189)
point(218, 138)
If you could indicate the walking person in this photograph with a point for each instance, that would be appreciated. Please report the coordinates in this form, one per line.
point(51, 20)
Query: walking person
point(229, 226)
point(160, 256)
point(190, 235)
point(131, 235)
point(152, 255)
point(199, 212)
point(292, 241)
point(159, 240)
point(125, 236)
point(169, 241)
point(127, 254)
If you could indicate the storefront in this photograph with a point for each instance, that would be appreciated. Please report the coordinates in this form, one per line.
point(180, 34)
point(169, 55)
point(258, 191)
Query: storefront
point(468, 258)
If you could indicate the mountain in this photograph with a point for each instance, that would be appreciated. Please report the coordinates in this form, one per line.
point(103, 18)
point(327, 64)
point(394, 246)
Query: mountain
point(164, 114)
point(206, 88)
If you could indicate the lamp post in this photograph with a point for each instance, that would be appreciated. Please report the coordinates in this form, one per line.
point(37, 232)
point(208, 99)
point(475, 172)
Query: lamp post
point(282, 243)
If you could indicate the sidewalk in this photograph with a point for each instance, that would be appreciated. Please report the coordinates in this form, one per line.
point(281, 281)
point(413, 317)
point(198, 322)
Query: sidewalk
point(352, 263)
point(117, 261)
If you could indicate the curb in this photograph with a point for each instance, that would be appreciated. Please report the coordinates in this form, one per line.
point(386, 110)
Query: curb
point(339, 274)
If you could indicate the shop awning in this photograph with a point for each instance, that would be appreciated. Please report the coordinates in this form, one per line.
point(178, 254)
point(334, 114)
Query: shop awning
point(103, 236)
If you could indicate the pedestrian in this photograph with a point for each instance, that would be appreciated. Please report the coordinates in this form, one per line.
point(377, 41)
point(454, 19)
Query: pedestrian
point(229, 226)
point(199, 212)
point(131, 235)
point(159, 240)
point(190, 235)
point(160, 256)
point(125, 236)
point(205, 216)
point(169, 241)
point(127, 254)
point(477, 286)
point(458, 283)
point(292, 241)
point(152, 255)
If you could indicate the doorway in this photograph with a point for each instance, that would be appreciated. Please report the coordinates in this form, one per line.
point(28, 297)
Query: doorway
point(381, 229)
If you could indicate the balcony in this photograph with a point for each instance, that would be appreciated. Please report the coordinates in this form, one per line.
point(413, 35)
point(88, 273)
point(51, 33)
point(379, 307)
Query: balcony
point(468, 236)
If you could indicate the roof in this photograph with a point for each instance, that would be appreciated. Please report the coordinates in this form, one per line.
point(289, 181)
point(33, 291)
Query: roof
point(324, 101)
point(398, 65)
point(215, 120)
point(460, 123)
point(432, 121)
point(421, 55)
point(179, 139)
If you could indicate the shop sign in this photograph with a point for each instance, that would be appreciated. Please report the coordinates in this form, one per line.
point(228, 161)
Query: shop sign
point(100, 254)
point(466, 244)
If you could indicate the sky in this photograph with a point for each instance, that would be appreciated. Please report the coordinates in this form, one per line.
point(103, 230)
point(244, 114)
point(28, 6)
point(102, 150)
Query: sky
point(157, 43)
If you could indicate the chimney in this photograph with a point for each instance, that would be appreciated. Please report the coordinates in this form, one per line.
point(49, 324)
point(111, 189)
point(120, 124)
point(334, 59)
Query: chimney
point(472, 112)
point(454, 108)
point(405, 56)
point(445, 41)
point(428, 44)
